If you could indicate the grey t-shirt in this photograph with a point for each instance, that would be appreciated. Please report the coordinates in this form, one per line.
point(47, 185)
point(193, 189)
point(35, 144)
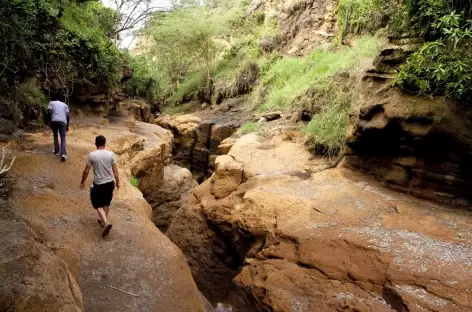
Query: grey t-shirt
point(59, 111)
point(101, 161)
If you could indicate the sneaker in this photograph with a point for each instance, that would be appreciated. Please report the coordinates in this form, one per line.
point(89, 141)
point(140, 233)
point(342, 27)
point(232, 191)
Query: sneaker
point(63, 157)
point(107, 229)
point(56, 154)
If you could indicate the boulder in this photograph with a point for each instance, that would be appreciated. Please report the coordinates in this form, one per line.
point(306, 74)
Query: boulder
point(167, 195)
point(218, 134)
point(227, 177)
point(225, 146)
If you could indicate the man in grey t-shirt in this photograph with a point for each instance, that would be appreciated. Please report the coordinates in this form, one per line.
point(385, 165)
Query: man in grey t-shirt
point(58, 115)
point(105, 172)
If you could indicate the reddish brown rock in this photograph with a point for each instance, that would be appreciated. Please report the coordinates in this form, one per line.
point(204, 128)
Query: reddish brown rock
point(227, 177)
point(32, 278)
point(331, 240)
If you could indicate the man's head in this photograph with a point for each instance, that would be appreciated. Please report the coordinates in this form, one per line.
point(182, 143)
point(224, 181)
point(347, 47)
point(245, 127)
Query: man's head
point(100, 141)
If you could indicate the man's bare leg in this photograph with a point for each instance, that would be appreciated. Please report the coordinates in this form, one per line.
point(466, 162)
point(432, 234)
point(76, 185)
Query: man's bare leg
point(103, 215)
point(100, 221)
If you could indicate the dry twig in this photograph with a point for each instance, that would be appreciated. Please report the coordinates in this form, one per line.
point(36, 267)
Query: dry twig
point(4, 169)
point(124, 291)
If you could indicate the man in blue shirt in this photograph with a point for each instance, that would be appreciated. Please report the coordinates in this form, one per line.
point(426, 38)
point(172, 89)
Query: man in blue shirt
point(58, 113)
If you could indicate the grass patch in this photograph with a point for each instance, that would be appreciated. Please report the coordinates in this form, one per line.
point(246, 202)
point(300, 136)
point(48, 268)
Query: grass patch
point(289, 78)
point(180, 109)
point(187, 89)
point(362, 16)
point(134, 181)
point(249, 127)
point(327, 129)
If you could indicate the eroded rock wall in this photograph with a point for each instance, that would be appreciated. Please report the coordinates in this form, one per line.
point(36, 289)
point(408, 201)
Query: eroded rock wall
point(303, 24)
point(331, 240)
point(195, 141)
point(414, 144)
point(134, 268)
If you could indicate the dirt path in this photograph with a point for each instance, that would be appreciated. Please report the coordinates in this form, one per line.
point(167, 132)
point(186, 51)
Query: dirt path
point(135, 268)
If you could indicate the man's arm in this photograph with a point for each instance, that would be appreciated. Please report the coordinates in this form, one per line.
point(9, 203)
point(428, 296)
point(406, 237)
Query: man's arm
point(117, 176)
point(85, 175)
point(48, 114)
point(68, 117)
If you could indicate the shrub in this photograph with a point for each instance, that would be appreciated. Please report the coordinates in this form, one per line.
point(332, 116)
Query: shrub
point(188, 89)
point(134, 181)
point(364, 16)
point(443, 66)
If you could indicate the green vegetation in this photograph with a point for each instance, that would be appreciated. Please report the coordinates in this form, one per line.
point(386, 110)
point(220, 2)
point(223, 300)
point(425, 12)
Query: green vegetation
point(207, 52)
point(327, 129)
point(442, 66)
point(249, 127)
point(361, 16)
point(66, 43)
point(134, 181)
point(144, 83)
point(181, 109)
point(289, 78)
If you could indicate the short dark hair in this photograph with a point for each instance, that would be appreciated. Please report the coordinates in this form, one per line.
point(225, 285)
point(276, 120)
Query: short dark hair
point(100, 140)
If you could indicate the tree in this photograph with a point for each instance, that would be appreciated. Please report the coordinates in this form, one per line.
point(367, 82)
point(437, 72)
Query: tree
point(131, 13)
point(184, 40)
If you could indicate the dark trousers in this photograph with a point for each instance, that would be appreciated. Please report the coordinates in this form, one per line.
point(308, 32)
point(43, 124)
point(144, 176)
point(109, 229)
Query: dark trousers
point(59, 127)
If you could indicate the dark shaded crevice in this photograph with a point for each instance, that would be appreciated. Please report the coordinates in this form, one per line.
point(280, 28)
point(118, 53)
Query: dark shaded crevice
point(394, 300)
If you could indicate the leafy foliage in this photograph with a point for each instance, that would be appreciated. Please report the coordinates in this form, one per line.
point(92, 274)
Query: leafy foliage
point(442, 66)
point(204, 50)
point(144, 82)
point(66, 42)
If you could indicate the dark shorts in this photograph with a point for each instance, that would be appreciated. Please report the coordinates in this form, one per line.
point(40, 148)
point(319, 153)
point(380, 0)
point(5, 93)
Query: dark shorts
point(101, 194)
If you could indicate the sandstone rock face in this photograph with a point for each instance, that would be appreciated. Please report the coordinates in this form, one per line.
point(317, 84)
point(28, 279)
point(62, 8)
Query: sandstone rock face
point(32, 278)
point(225, 146)
point(167, 195)
point(228, 175)
point(195, 140)
point(303, 24)
point(413, 144)
point(329, 240)
point(212, 259)
point(139, 109)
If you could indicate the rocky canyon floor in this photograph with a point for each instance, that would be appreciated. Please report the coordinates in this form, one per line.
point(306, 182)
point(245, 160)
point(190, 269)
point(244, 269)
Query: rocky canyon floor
point(60, 247)
point(273, 229)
